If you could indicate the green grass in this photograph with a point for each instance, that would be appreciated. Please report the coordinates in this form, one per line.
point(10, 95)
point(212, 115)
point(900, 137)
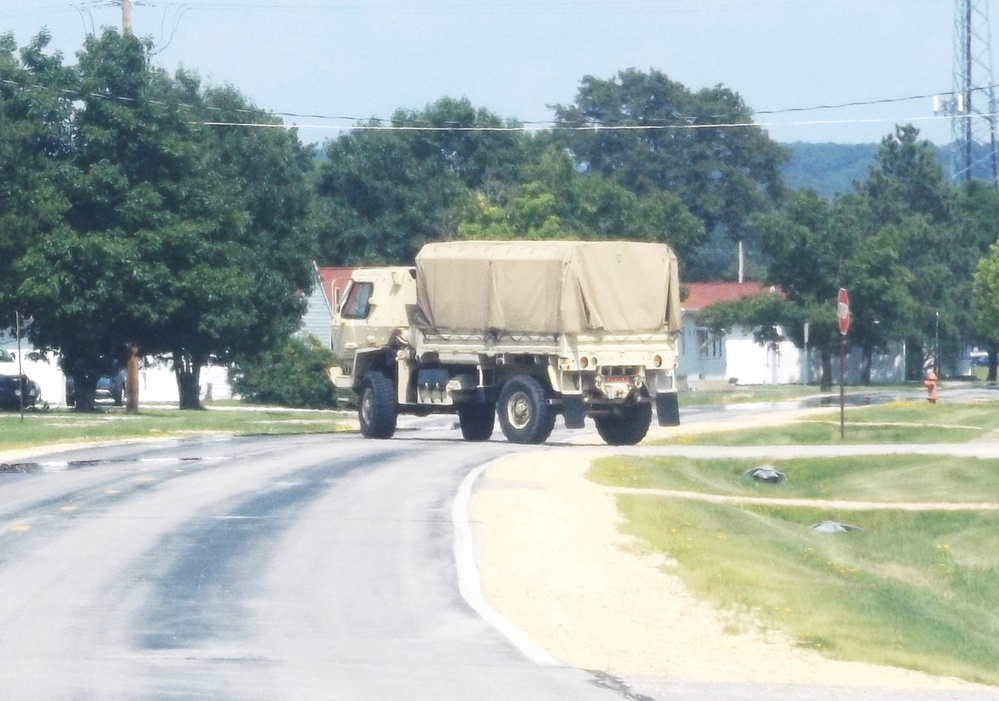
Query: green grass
point(736, 394)
point(898, 422)
point(107, 424)
point(892, 478)
point(915, 590)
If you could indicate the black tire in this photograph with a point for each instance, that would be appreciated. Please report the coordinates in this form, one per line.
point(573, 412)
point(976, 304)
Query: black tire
point(376, 408)
point(524, 413)
point(626, 427)
point(477, 421)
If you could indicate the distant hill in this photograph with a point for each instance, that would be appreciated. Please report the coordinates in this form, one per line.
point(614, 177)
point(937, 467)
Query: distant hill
point(829, 169)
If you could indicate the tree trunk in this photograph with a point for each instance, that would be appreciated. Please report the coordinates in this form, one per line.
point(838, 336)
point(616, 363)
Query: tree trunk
point(84, 393)
point(827, 382)
point(865, 370)
point(132, 380)
point(187, 368)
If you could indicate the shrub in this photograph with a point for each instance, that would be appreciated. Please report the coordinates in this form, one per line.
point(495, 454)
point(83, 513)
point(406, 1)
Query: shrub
point(293, 376)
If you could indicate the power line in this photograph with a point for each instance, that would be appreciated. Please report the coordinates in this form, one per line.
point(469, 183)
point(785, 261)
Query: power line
point(388, 124)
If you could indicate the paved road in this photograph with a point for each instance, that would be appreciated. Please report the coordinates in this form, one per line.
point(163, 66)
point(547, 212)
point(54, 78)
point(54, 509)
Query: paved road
point(263, 568)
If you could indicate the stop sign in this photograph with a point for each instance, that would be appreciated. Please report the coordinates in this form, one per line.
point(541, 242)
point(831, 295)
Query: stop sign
point(843, 311)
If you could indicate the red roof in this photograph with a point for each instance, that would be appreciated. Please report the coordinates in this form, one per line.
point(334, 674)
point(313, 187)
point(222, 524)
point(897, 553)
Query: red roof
point(704, 294)
point(334, 282)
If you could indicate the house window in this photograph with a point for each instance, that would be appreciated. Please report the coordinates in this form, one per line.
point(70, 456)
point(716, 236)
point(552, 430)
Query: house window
point(357, 304)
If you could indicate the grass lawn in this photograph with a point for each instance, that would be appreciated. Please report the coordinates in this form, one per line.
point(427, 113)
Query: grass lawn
point(911, 588)
point(896, 422)
point(915, 590)
point(113, 423)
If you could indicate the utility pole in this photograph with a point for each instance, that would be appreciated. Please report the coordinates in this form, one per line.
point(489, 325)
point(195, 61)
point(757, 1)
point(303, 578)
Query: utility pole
point(973, 101)
point(126, 16)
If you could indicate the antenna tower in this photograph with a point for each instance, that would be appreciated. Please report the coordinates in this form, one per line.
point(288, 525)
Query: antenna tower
point(973, 102)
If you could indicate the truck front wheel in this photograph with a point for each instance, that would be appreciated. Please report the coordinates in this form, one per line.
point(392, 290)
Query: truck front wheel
point(477, 421)
point(524, 413)
point(627, 427)
point(377, 411)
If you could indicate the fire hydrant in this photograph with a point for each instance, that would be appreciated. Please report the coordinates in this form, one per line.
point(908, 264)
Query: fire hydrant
point(931, 387)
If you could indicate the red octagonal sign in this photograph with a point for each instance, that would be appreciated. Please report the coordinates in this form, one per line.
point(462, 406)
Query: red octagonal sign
point(843, 311)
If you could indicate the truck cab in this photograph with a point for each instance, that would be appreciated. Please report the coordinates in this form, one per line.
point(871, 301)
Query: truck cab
point(374, 315)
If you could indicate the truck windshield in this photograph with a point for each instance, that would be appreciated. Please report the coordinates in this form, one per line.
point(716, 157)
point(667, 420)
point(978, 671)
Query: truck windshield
point(358, 301)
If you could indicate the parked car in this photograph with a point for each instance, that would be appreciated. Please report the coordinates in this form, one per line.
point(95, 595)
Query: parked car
point(12, 387)
point(108, 387)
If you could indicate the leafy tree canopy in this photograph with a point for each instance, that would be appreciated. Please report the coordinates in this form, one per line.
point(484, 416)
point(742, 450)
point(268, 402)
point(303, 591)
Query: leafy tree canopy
point(653, 134)
point(383, 193)
point(555, 201)
point(178, 238)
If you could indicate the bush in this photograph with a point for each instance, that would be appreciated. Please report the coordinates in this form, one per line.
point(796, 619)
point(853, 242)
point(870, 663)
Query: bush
point(294, 376)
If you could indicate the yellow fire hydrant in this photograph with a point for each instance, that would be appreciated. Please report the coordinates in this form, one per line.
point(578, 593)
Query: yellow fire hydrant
point(931, 387)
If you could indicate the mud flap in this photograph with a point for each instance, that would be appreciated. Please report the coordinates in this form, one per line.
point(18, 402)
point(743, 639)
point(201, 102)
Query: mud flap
point(573, 412)
point(668, 408)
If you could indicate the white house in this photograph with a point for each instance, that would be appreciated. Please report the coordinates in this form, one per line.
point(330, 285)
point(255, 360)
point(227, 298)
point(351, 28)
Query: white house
point(737, 358)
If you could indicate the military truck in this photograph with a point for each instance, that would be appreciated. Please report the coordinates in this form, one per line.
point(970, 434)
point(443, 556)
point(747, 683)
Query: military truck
point(520, 330)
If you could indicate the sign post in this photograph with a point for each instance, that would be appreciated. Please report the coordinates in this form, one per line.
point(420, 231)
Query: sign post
point(843, 315)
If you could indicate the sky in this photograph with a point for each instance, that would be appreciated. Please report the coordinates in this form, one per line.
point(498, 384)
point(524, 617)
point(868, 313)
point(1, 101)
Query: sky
point(332, 63)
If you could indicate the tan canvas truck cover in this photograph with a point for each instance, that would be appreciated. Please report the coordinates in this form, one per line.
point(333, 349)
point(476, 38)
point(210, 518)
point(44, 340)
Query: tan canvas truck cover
point(548, 286)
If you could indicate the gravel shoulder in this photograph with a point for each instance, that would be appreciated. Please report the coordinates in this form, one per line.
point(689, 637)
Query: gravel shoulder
point(553, 561)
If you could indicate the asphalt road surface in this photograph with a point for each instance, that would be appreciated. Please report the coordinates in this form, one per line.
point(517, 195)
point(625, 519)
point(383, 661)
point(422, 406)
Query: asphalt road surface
point(285, 568)
point(265, 568)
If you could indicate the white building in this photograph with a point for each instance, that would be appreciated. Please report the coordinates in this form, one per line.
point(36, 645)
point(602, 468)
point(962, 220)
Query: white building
point(737, 358)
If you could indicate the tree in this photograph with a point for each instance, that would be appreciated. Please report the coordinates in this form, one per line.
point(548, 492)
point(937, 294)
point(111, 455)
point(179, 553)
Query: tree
point(807, 250)
point(92, 285)
point(243, 282)
point(653, 134)
point(35, 109)
point(555, 201)
point(179, 238)
point(880, 284)
point(907, 189)
point(977, 221)
point(384, 192)
point(986, 302)
point(293, 375)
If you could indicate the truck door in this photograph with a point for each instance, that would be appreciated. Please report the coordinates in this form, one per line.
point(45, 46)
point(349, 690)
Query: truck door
point(350, 321)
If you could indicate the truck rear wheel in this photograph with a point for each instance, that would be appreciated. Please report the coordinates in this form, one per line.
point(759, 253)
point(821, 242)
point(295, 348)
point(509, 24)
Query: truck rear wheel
point(524, 413)
point(377, 410)
point(627, 427)
point(477, 421)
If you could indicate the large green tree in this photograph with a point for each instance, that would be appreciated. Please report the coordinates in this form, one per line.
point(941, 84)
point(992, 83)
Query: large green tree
point(242, 282)
point(653, 134)
point(386, 189)
point(94, 285)
point(977, 218)
point(555, 201)
point(180, 238)
point(35, 110)
point(986, 296)
point(807, 250)
point(940, 234)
